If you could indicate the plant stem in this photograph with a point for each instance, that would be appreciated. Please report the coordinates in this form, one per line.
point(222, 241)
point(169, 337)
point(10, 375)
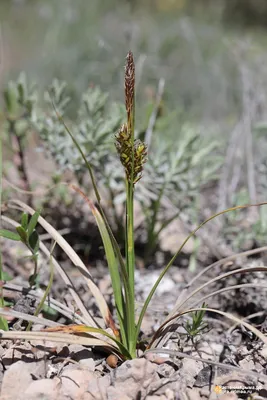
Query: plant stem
point(130, 262)
point(130, 249)
point(47, 290)
point(21, 163)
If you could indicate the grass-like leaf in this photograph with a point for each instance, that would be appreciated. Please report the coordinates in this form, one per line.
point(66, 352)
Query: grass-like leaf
point(175, 317)
point(86, 315)
point(165, 270)
point(103, 307)
point(33, 222)
point(79, 329)
point(57, 337)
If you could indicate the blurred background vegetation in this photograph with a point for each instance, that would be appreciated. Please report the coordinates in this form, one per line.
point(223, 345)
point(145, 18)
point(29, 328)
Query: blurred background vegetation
point(192, 44)
point(211, 55)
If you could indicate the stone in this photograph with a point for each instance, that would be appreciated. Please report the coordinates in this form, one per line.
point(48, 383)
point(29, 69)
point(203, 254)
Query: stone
point(132, 379)
point(193, 394)
point(74, 382)
point(247, 365)
point(43, 389)
point(82, 355)
point(189, 371)
point(166, 370)
point(97, 388)
point(19, 376)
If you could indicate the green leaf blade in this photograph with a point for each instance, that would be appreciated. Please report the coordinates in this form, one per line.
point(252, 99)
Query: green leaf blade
point(33, 222)
point(34, 241)
point(9, 235)
point(24, 220)
point(22, 233)
point(112, 265)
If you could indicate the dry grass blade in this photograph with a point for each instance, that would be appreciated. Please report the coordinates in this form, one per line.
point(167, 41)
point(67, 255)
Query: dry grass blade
point(26, 317)
point(154, 114)
point(217, 278)
point(179, 354)
point(234, 287)
point(251, 316)
point(56, 337)
point(218, 263)
point(103, 307)
point(166, 326)
point(184, 297)
point(225, 260)
point(87, 317)
point(53, 303)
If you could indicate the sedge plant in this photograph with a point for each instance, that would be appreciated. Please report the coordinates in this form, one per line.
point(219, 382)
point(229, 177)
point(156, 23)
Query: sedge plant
point(119, 335)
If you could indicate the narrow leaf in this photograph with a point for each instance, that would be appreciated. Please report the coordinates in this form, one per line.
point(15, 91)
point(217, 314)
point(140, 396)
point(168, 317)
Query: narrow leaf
point(76, 329)
point(34, 241)
point(250, 327)
point(9, 235)
point(162, 274)
point(3, 324)
point(33, 222)
point(22, 233)
point(24, 221)
point(112, 264)
point(56, 337)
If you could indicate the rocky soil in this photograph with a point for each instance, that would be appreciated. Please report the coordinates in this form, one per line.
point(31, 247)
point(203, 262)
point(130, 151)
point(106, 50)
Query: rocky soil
point(223, 362)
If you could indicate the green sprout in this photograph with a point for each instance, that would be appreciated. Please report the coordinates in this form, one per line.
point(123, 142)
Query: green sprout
point(197, 325)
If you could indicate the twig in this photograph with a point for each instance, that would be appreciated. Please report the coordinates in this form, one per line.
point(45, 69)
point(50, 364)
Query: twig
point(1, 51)
point(218, 364)
point(226, 171)
point(139, 69)
point(248, 114)
point(153, 117)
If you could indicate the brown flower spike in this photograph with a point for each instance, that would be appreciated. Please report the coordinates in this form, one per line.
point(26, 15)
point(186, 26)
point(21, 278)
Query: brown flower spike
point(129, 84)
point(132, 152)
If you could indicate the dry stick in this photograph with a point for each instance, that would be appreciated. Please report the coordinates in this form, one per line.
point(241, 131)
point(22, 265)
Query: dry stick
point(218, 364)
point(21, 165)
point(230, 155)
point(237, 170)
point(139, 67)
point(153, 117)
point(247, 120)
point(38, 192)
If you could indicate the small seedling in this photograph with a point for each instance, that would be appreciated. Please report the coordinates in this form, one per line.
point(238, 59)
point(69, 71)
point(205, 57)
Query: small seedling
point(196, 326)
point(27, 234)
